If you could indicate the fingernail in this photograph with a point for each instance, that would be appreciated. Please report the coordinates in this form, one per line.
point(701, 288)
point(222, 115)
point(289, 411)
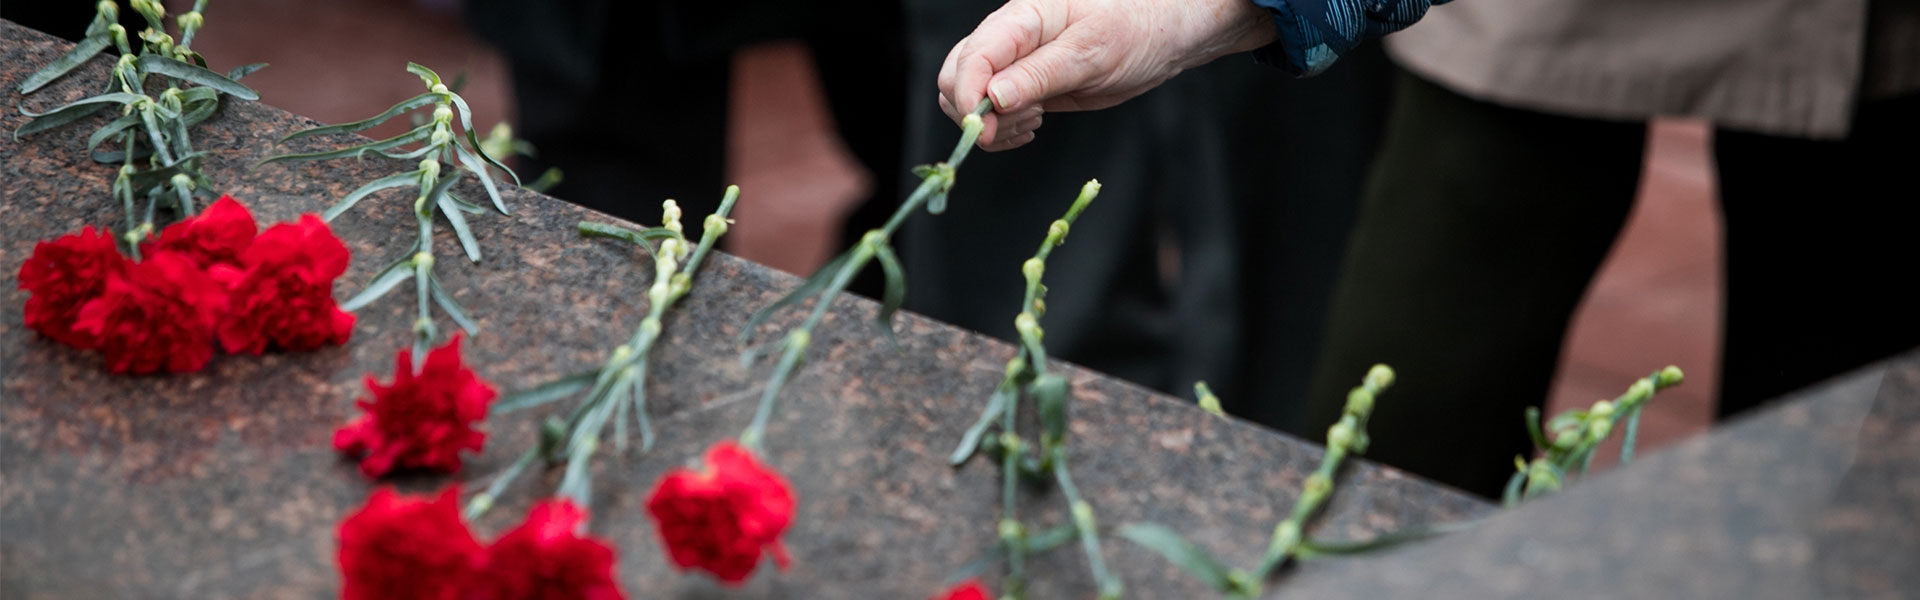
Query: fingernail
point(1004, 94)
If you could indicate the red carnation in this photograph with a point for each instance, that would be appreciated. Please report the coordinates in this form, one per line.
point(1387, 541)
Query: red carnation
point(281, 292)
point(159, 313)
point(62, 275)
point(423, 420)
point(967, 590)
point(215, 237)
point(407, 548)
point(720, 520)
point(546, 559)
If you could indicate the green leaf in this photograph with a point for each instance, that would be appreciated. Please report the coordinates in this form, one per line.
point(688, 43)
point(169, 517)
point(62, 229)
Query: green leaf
point(408, 155)
point(642, 237)
point(460, 229)
point(427, 75)
point(112, 128)
point(355, 151)
point(354, 197)
point(115, 157)
point(546, 181)
point(447, 303)
point(814, 283)
point(970, 441)
point(465, 206)
point(1310, 548)
point(365, 124)
point(1180, 552)
point(1533, 428)
point(154, 63)
point(473, 140)
point(1050, 393)
point(895, 296)
point(76, 56)
point(244, 70)
point(479, 170)
point(937, 203)
point(1631, 437)
point(1511, 496)
point(545, 392)
point(389, 278)
point(70, 112)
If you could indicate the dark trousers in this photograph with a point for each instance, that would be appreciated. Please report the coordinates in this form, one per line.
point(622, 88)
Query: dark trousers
point(1482, 226)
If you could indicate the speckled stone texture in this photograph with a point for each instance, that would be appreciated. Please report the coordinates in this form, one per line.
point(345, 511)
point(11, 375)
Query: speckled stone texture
point(222, 484)
point(1815, 497)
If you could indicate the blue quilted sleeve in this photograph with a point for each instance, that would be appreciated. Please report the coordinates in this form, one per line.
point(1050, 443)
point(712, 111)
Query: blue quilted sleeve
point(1313, 33)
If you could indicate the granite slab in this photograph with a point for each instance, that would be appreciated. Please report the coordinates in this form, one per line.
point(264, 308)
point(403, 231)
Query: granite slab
point(222, 484)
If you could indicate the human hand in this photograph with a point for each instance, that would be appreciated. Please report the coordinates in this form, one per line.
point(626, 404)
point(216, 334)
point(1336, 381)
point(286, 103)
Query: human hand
point(1034, 56)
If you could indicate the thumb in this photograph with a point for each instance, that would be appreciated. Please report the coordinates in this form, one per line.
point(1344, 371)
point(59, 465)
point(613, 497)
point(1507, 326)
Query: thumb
point(1057, 68)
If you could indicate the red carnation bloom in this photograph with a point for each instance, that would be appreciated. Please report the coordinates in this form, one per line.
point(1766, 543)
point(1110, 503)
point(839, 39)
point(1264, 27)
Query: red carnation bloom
point(159, 313)
point(721, 519)
point(408, 548)
point(423, 420)
point(967, 590)
point(545, 559)
point(282, 290)
point(62, 275)
point(215, 237)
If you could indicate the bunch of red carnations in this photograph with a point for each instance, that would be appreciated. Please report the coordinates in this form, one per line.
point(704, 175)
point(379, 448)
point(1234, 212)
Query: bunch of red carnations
point(420, 549)
point(211, 278)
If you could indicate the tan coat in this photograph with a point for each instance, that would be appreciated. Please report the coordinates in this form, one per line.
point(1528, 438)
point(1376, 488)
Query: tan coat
point(1781, 67)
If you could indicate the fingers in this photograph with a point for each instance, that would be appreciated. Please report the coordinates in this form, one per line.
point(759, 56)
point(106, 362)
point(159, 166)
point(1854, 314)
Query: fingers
point(1056, 69)
point(1016, 136)
point(1013, 31)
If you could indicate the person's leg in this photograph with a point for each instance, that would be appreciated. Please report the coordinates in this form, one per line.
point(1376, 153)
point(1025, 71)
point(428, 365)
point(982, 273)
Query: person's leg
point(1480, 229)
point(1820, 251)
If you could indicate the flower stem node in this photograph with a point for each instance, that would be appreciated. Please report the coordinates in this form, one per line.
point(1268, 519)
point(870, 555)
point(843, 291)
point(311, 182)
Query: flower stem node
point(971, 121)
point(182, 181)
point(623, 352)
point(441, 135)
point(1599, 429)
point(716, 225)
point(680, 284)
point(649, 327)
point(1009, 442)
point(1011, 532)
point(423, 327)
point(799, 339)
point(439, 88)
point(1027, 325)
point(108, 9)
point(430, 168)
point(443, 114)
point(874, 240)
point(1034, 268)
point(423, 260)
point(1286, 535)
point(150, 8)
point(1340, 435)
point(1640, 389)
point(1083, 516)
point(1601, 409)
point(189, 20)
point(1670, 376)
point(1359, 402)
point(1379, 377)
point(1317, 486)
point(1057, 232)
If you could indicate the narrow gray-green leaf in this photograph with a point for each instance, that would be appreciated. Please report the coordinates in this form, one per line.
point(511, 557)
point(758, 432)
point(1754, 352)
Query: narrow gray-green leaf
point(642, 237)
point(447, 303)
point(74, 57)
point(814, 283)
point(244, 70)
point(1310, 548)
point(69, 113)
point(479, 170)
point(111, 129)
point(460, 229)
point(545, 392)
point(354, 197)
point(1180, 552)
point(970, 441)
point(389, 278)
point(895, 296)
point(1631, 437)
point(364, 124)
point(154, 63)
point(427, 75)
point(937, 204)
point(406, 138)
point(468, 207)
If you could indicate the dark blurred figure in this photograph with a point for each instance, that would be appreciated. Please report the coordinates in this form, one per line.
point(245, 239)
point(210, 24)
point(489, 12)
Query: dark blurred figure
point(629, 99)
point(1510, 163)
point(1214, 167)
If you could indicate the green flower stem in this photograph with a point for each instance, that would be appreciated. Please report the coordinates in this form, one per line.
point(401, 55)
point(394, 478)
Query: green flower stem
point(619, 384)
point(938, 181)
point(1577, 435)
point(1349, 435)
point(1083, 520)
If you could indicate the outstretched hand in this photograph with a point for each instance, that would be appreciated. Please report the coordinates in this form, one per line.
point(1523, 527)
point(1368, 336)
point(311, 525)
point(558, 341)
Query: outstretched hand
point(1034, 56)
